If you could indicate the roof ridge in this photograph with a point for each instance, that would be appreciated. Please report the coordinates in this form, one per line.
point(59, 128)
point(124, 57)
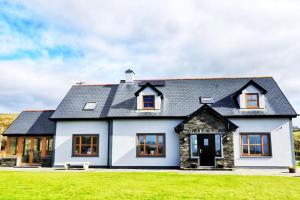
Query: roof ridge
point(97, 84)
point(208, 78)
point(37, 110)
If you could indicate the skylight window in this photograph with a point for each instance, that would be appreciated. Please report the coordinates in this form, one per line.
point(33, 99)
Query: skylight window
point(206, 100)
point(90, 106)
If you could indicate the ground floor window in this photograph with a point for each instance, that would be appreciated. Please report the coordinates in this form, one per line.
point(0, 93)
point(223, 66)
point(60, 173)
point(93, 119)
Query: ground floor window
point(151, 145)
point(85, 145)
point(195, 148)
point(49, 146)
point(255, 144)
point(13, 144)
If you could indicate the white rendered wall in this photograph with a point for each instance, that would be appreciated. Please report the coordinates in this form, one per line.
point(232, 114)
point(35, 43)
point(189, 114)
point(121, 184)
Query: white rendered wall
point(63, 141)
point(148, 91)
point(251, 89)
point(124, 142)
point(281, 145)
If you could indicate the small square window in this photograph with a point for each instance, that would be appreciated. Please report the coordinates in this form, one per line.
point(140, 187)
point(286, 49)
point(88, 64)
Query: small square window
point(206, 100)
point(90, 106)
point(252, 100)
point(148, 102)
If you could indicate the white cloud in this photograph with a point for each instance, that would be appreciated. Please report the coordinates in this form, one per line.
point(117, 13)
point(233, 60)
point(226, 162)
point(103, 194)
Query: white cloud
point(171, 38)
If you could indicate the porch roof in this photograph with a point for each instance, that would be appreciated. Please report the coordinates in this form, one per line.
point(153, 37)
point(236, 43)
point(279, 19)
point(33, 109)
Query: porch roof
point(230, 125)
point(32, 123)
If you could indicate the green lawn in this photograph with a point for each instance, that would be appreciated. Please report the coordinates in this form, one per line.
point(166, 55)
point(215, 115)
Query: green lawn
point(156, 185)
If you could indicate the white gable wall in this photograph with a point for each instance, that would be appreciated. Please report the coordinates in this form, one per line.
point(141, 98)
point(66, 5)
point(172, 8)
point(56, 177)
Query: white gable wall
point(281, 145)
point(251, 89)
point(124, 142)
point(148, 91)
point(63, 141)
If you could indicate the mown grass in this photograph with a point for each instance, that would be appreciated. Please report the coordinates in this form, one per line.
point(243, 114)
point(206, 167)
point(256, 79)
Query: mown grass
point(156, 185)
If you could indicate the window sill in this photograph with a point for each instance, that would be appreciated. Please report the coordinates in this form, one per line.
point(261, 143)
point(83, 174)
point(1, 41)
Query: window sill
point(151, 156)
point(255, 156)
point(84, 156)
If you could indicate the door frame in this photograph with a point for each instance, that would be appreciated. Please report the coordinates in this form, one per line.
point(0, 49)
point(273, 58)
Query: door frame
point(198, 157)
point(213, 154)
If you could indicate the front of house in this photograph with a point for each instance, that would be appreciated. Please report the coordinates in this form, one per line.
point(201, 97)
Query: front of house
point(172, 123)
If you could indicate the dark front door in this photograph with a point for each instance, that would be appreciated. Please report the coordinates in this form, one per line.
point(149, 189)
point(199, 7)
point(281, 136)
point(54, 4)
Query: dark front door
point(206, 148)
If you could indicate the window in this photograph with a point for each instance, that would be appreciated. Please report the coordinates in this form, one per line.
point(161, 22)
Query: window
point(256, 144)
point(218, 143)
point(252, 100)
point(13, 143)
point(206, 100)
point(148, 102)
point(85, 145)
point(90, 106)
point(49, 146)
point(194, 146)
point(151, 145)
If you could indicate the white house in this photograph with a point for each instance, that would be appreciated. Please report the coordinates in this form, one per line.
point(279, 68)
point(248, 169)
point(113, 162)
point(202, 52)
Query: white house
point(170, 123)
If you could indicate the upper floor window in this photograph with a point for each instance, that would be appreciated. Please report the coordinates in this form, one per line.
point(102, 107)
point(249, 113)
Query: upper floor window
point(252, 100)
point(148, 101)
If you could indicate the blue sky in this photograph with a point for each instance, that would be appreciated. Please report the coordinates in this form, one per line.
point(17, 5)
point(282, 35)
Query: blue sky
point(46, 46)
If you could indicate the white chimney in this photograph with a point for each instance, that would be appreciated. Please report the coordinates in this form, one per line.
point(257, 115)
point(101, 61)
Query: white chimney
point(129, 76)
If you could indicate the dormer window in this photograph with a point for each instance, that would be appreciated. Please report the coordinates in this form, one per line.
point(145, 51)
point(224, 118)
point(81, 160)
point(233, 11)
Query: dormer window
point(149, 102)
point(90, 106)
point(252, 100)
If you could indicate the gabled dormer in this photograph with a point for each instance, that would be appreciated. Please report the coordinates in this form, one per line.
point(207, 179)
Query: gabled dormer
point(251, 96)
point(148, 98)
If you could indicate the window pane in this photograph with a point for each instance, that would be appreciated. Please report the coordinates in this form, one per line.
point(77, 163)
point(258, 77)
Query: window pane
point(245, 149)
point(244, 139)
point(266, 150)
point(150, 149)
point(141, 150)
point(252, 97)
point(194, 147)
point(160, 139)
point(141, 139)
point(76, 150)
point(151, 139)
point(252, 103)
point(160, 149)
point(266, 140)
point(86, 150)
point(218, 144)
point(95, 140)
point(77, 140)
point(255, 139)
point(13, 145)
point(86, 140)
point(255, 149)
point(94, 150)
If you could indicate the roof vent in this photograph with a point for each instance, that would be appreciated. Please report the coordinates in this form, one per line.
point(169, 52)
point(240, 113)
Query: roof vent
point(206, 100)
point(129, 76)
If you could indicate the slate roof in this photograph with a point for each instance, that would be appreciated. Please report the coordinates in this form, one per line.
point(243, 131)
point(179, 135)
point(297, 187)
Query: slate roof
point(181, 98)
point(32, 123)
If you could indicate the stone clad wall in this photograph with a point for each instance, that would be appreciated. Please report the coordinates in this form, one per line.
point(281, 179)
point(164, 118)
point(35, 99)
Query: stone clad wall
point(205, 122)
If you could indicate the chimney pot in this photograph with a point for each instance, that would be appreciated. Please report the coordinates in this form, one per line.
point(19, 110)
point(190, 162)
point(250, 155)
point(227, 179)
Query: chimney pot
point(129, 76)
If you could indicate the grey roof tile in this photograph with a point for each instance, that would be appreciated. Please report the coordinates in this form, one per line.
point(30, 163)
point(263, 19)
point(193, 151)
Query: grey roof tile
point(181, 98)
point(32, 123)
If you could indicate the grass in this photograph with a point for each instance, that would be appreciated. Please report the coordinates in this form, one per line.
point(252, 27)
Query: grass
point(156, 185)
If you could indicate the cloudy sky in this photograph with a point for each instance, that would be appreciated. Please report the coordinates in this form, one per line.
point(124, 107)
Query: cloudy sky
point(46, 46)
